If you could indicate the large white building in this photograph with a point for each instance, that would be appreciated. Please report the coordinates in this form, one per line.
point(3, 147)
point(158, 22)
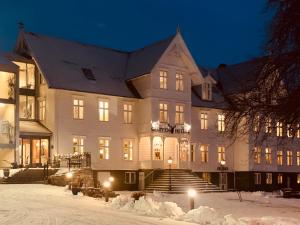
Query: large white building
point(132, 111)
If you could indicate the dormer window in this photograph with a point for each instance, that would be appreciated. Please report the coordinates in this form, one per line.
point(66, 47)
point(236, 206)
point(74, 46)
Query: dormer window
point(206, 91)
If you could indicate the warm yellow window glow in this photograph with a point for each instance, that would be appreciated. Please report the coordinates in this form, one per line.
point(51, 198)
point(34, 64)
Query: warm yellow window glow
point(298, 158)
point(279, 158)
point(279, 179)
point(221, 122)
point(269, 126)
point(257, 155)
point(78, 108)
point(289, 158)
point(204, 153)
point(279, 129)
point(78, 144)
point(179, 82)
point(163, 112)
point(163, 79)
point(127, 149)
point(103, 148)
point(268, 155)
point(179, 115)
point(157, 148)
point(289, 131)
point(221, 154)
point(203, 121)
point(268, 178)
point(127, 113)
point(103, 111)
point(27, 107)
point(42, 109)
point(26, 75)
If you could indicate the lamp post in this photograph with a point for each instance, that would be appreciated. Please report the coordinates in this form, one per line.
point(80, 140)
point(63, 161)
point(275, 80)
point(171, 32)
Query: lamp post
point(170, 161)
point(191, 194)
point(106, 186)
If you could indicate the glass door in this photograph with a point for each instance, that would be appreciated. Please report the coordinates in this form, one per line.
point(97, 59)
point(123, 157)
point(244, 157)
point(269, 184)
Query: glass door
point(26, 143)
point(36, 151)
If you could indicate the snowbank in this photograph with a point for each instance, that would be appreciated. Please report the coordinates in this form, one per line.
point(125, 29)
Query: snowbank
point(11, 172)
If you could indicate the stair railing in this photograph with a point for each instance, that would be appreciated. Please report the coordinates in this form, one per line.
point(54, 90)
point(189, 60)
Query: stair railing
point(149, 178)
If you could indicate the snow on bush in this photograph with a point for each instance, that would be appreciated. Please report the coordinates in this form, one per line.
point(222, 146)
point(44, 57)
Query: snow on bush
point(201, 215)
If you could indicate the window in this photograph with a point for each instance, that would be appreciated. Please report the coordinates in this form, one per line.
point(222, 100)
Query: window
point(279, 129)
point(289, 158)
point(163, 79)
point(269, 126)
point(298, 131)
point(130, 177)
point(221, 122)
point(279, 158)
point(206, 91)
point(78, 108)
point(42, 109)
point(279, 178)
point(221, 154)
point(103, 111)
point(192, 153)
point(268, 178)
point(179, 115)
point(157, 148)
point(26, 75)
point(127, 113)
point(204, 153)
point(257, 178)
point(268, 155)
point(289, 131)
point(127, 149)
point(104, 148)
point(298, 158)
point(203, 121)
point(256, 124)
point(78, 144)
point(27, 107)
point(163, 113)
point(298, 178)
point(257, 155)
point(179, 82)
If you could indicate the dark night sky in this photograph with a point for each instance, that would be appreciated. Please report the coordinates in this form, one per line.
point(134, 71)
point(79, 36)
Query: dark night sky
point(216, 31)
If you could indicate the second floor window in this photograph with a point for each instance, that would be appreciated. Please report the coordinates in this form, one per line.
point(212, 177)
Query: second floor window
point(289, 158)
point(298, 158)
point(78, 144)
point(26, 75)
point(279, 158)
point(204, 153)
point(27, 107)
point(163, 112)
point(163, 79)
point(179, 82)
point(268, 155)
point(203, 121)
point(78, 108)
point(103, 148)
point(221, 154)
point(269, 126)
point(221, 122)
point(103, 111)
point(289, 130)
point(257, 155)
point(179, 114)
point(127, 113)
point(42, 109)
point(127, 149)
point(279, 129)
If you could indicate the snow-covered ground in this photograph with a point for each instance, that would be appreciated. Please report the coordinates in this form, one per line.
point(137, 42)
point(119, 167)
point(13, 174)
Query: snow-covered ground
point(45, 204)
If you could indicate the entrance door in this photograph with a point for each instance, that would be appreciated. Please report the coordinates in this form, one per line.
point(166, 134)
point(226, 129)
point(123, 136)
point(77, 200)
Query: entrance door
point(288, 181)
point(223, 181)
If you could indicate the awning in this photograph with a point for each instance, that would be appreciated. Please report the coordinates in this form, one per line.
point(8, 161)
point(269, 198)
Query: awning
point(33, 128)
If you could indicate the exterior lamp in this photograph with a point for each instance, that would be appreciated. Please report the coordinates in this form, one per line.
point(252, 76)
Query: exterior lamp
point(170, 161)
point(223, 162)
point(111, 179)
point(106, 186)
point(192, 194)
point(69, 175)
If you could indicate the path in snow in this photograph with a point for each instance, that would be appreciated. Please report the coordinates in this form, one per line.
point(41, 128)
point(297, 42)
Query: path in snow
point(50, 205)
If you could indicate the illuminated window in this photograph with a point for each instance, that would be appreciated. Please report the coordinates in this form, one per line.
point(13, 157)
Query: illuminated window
point(104, 148)
point(221, 122)
point(26, 75)
point(163, 80)
point(298, 178)
point(127, 113)
point(163, 113)
point(206, 91)
point(289, 158)
point(289, 131)
point(279, 158)
point(179, 82)
point(279, 179)
point(279, 129)
point(298, 131)
point(157, 148)
point(103, 111)
point(204, 153)
point(42, 109)
point(268, 178)
point(298, 158)
point(78, 108)
point(268, 155)
point(127, 149)
point(257, 155)
point(221, 154)
point(269, 126)
point(78, 144)
point(130, 178)
point(27, 107)
point(256, 124)
point(257, 178)
point(179, 114)
point(203, 121)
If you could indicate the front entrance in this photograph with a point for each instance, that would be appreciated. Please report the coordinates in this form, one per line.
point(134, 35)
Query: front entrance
point(223, 181)
point(34, 151)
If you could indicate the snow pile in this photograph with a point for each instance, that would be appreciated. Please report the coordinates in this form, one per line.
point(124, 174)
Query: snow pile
point(11, 172)
point(269, 221)
point(201, 215)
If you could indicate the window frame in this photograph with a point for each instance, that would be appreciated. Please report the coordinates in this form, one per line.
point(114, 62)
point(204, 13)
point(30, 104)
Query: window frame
point(79, 107)
point(203, 120)
point(163, 110)
point(128, 150)
point(131, 176)
point(203, 148)
point(42, 109)
point(105, 147)
point(80, 144)
point(221, 122)
point(268, 156)
point(103, 110)
point(127, 113)
point(163, 79)
point(179, 114)
point(221, 154)
point(257, 178)
point(179, 81)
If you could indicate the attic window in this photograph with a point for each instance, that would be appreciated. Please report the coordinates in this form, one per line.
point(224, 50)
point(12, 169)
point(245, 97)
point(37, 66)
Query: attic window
point(206, 91)
point(88, 73)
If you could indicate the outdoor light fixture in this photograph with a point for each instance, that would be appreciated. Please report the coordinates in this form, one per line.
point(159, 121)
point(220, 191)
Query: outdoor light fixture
point(106, 184)
point(192, 194)
point(69, 175)
point(223, 162)
point(170, 161)
point(111, 179)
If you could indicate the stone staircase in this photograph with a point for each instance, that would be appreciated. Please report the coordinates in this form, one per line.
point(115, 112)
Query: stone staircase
point(28, 175)
point(181, 181)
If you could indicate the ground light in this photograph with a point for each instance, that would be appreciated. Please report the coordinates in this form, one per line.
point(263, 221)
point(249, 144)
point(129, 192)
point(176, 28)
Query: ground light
point(111, 179)
point(106, 186)
point(69, 175)
point(192, 194)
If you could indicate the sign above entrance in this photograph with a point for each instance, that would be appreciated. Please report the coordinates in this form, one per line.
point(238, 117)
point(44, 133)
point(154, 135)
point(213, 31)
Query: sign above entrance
point(168, 128)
